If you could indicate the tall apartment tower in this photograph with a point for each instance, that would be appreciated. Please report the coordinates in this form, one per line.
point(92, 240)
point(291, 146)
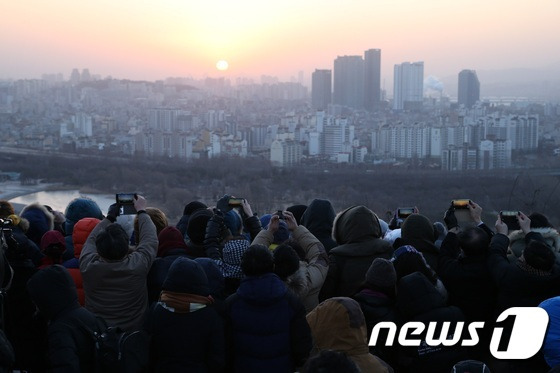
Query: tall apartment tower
point(372, 79)
point(349, 81)
point(321, 91)
point(408, 86)
point(469, 88)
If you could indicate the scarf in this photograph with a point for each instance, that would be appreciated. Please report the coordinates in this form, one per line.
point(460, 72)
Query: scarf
point(521, 263)
point(183, 302)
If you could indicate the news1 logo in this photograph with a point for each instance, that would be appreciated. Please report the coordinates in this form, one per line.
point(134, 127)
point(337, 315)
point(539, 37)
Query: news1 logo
point(526, 338)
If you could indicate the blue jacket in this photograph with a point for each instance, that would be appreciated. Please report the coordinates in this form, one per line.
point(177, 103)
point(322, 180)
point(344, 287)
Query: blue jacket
point(551, 346)
point(266, 326)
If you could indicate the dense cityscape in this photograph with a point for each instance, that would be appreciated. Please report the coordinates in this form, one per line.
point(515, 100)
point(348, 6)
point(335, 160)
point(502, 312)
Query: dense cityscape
point(345, 117)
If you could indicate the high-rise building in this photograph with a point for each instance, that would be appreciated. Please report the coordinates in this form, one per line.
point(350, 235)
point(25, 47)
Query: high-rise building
point(469, 88)
point(372, 79)
point(349, 81)
point(321, 83)
point(408, 92)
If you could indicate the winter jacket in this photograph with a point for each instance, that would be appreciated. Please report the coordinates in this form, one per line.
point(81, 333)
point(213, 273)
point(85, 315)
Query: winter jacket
point(517, 241)
point(338, 324)
point(80, 233)
point(40, 221)
point(186, 342)
point(418, 231)
point(419, 300)
point(468, 280)
point(551, 346)
point(116, 289)
point(517, 287)
point(318, 218)
point(357, 232)
point(26, 330)
point(76, 210)
point(309, 279)
point(266, 327)
point(71, 346)
point(378, 307)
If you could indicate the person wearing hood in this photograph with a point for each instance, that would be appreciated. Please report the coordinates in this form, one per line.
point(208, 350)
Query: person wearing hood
point(418, 231)
point(70, 344)
point(26, 330)
point(357, 232)
point(532, 278)
point(539, 224)
point(78, 209)
point(80, 233)
point(40, 221)
point(189, 209)
point(171, 246)
point(419, 300)
point(377, 298)
point(265, 322)
point(318, 218)
point(338, 324)
point(114, 278)
point(304, 275)
point(187, 332)
point(53, 247)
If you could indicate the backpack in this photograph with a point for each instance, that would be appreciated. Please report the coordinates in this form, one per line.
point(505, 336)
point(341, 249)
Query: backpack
point(117, 350)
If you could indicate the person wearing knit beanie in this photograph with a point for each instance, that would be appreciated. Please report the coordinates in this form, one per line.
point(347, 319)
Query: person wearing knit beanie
point(381, 274)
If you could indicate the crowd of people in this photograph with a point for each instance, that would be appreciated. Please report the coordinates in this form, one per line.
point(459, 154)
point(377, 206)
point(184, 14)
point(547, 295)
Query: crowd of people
point(299, 289)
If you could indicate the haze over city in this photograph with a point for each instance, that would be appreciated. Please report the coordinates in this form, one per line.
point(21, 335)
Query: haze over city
point(151, 40)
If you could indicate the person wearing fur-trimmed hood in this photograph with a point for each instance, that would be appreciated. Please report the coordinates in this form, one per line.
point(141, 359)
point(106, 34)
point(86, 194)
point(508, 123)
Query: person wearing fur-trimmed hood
point(539, 224)
point(301, 262)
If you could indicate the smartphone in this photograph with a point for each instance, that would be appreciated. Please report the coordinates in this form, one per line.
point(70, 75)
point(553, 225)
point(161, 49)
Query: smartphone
point(510, 219)
point(461, 204)
point(235, 201)
point(404, 212)
point(126, 201)
point(280, 214)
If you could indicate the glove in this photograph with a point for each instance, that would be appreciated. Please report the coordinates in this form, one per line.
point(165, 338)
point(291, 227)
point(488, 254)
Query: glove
point(223, 204)
point(114, 211)
point(450, 219)
point(214, 229)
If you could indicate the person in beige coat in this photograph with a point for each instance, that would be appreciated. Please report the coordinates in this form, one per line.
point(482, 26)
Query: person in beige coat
point(115, 278)
point(305, 269)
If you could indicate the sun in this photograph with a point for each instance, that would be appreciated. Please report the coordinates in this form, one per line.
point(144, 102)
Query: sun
point(222, 65)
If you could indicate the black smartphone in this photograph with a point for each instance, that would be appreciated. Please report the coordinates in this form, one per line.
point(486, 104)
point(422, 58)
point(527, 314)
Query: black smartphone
point(404, 212)
point(510, 219)
point(280, 214)
point(235, 201)
point(461, 204)
point(126, 202)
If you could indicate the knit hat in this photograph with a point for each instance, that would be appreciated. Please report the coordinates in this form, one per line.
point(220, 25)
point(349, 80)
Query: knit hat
point(539, 255)
point(381, 273)
point(186, 276)
point(78, 209)
point(196, 227)
point(170, 238)
point(53, 238)
point(192, 207)
point(286, 261)
point(417, 227)
point(232, 220)
point(6, 209)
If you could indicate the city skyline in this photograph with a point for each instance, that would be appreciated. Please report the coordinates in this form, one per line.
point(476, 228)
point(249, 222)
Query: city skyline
point(155, 40)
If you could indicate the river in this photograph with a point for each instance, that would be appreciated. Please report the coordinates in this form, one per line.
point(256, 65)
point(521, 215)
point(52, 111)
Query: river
point(58, 200)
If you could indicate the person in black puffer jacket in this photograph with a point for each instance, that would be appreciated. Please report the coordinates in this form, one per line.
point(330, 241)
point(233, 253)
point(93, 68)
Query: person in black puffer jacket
point(71, 346)
point(265, 322)
point(419, 300)
point(187, 333)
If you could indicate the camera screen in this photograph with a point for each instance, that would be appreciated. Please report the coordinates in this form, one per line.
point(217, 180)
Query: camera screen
point(125, 198)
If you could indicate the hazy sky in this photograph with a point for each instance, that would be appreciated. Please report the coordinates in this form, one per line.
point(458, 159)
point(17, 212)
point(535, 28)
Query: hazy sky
point(154, 39)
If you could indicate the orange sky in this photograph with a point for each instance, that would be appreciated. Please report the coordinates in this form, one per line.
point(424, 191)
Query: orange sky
point(154, 39)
